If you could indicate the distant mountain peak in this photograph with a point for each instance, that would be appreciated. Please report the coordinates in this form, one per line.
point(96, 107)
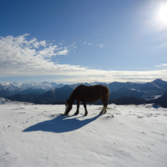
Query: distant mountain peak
point(160, 82)
point(45, 82)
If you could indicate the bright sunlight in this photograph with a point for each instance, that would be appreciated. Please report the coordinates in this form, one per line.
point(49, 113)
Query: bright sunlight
point(161, 16)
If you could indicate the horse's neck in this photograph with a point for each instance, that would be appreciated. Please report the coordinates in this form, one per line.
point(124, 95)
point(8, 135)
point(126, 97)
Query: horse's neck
point(73, 97)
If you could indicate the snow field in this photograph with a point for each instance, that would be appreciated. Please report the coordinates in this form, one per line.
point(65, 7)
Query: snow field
point(38, 135)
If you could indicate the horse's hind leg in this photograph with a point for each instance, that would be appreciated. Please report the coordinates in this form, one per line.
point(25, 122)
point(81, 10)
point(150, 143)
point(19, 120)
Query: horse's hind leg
point(105, 103)
point(78, 104)
point(103, 111)
point(86, 111)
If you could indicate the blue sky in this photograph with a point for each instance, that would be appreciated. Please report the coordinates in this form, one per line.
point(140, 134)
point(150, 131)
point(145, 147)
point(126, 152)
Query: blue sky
point(72, 41)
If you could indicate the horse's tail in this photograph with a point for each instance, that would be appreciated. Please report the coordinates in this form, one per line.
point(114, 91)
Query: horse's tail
point(107, 98)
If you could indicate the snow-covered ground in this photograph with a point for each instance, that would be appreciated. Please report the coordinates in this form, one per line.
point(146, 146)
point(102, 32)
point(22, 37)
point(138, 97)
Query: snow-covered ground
point(39, 136)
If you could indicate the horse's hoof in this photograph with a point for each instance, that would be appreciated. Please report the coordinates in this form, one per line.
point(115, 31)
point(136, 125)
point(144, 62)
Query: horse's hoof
point(101, 113)
point(65, 115)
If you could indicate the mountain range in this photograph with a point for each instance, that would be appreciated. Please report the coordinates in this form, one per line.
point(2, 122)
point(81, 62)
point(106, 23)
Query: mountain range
point(120, 93)
point(9, 89)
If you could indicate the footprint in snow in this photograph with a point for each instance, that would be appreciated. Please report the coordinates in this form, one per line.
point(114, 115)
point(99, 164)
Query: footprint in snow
point(18, 108)
point(25, 122)
point(7, 126)
point(54, 115)
point(8, 157)
point(22, 113)
point(143, 132)
point(149, 115)
point(131, 114)
point(110, 116)
point(139, 116)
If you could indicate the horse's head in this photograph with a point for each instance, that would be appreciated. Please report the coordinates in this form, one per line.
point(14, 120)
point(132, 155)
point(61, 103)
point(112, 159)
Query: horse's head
point(68, 107)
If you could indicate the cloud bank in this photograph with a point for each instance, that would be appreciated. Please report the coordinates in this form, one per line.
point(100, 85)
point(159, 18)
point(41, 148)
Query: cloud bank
point(22, 57)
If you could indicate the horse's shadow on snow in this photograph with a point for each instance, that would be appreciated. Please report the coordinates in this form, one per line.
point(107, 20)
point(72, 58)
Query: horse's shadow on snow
point(60, 124)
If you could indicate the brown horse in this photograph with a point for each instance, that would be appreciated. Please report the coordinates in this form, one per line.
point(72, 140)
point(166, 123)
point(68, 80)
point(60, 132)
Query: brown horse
point(88, 94)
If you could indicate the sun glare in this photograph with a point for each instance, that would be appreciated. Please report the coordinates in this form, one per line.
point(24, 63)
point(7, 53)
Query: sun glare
point(161, 16)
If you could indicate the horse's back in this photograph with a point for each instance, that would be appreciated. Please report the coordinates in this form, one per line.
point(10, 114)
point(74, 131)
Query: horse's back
point(92, 93)
point(97, 88)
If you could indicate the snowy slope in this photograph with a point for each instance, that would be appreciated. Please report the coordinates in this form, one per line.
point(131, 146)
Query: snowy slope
point(38, 136)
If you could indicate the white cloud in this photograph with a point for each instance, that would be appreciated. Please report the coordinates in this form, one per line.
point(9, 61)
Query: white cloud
point(101, 45)
point(34, 43)
point(162, 65)
point(51, 51)
point(63, 52)
point(20, 57)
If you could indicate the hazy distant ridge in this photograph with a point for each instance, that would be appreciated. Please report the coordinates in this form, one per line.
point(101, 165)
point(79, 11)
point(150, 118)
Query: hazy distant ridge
point(120, 93)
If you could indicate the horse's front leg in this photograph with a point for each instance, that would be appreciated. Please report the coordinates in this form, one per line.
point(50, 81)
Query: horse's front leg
point(78, 104)
point(86, 111)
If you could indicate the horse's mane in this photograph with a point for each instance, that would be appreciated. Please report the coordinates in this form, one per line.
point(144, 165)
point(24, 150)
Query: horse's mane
point(74, 94)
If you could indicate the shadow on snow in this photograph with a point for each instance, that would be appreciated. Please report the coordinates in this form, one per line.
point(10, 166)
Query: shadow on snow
point(60, 124)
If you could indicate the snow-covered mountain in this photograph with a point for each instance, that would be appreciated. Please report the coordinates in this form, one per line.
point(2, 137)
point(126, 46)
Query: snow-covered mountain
point(44, 85)
point(39, 136)
point(43, 93)
point(148, 90)
point(8, 89)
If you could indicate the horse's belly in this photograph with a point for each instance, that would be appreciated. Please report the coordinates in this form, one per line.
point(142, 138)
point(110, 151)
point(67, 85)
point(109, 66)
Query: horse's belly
point(92, 99)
